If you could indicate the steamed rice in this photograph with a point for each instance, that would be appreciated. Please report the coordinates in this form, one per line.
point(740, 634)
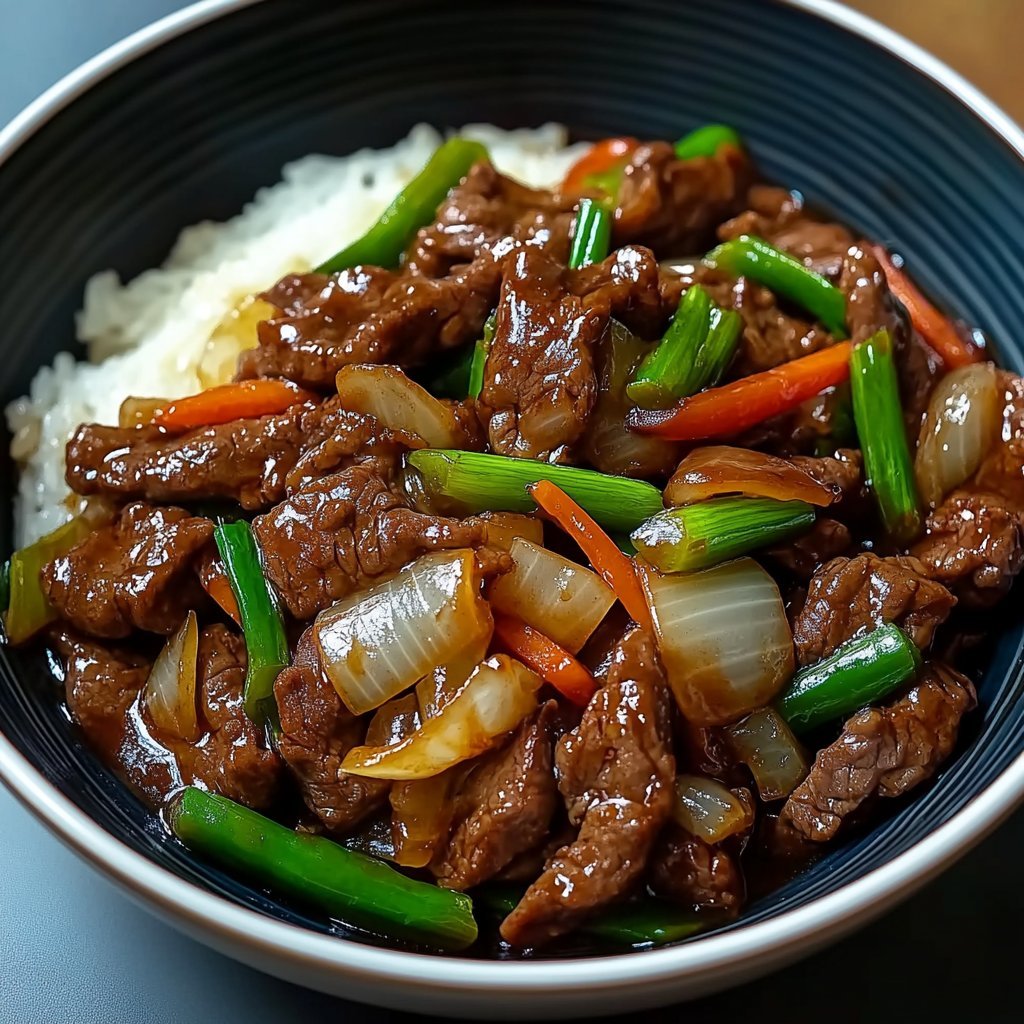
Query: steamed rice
point(147, 337)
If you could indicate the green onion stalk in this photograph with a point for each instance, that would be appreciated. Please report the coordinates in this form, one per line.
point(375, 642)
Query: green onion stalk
point(707, 141)
point(475, 384)
point(591, 234)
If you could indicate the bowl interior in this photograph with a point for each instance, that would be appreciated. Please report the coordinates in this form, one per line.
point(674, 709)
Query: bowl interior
point(191, 129)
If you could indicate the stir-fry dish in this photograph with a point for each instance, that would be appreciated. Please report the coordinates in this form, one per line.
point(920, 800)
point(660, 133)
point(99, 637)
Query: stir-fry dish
point(559, 564)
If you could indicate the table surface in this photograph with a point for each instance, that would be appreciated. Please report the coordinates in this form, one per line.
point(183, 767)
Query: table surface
point(73, 949)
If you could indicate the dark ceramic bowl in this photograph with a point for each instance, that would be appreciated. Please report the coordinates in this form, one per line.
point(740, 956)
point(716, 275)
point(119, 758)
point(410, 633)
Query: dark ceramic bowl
point(185, 120)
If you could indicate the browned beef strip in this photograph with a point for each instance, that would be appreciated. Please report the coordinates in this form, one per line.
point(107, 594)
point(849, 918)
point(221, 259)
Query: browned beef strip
point(974, 545)
point(869, 304)
point(841, 471)
point(825, 540)
point(882, 751)
point(1002, 470)
point(626, 286)
point(134, 573)
point(317, 731)
point(615, 771)
point(505, 807)
point(341, 532)
point(848, 597)
point(691, 872)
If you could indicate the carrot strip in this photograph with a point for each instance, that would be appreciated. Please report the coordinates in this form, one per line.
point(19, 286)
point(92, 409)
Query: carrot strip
point(936, 329)
point(243, 399)
point(215, 583)
point(614, 567)
point(554, 664)
point(735, 407)
point(602, 157)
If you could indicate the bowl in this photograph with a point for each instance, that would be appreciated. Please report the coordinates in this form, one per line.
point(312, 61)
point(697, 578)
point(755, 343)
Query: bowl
point(186, 119)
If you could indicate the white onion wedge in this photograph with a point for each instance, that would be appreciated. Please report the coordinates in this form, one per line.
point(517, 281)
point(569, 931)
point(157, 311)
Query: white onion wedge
point(554, 595)
point(723, 636)
point(706, 808)
point(502, 528)
point(169, 696)
point(381, 641)
point(766, 745)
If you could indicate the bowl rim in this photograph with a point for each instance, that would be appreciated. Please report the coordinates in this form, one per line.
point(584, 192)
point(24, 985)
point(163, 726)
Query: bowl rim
point(203, 912)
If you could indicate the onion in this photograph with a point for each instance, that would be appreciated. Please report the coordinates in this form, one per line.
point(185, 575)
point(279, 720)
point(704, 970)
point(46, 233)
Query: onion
point(502, 528)
point(231, 337)
point(554, 595)
point(719, 470)
point(499, 694)
point(723, 636)
point(437, 688)
point(386, 393)
point(169, 696)
point(421, 815)
point(766, 745)
point(707, 809)
point(961, 423)
point(139, 412)
point(377, 643)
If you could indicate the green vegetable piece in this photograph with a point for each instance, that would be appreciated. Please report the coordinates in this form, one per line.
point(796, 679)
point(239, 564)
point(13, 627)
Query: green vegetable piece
point(879, 418)
point(453, 380)
point(414, 206)
point(862, 671)
point(749, 256)
point(262, 625)
point(351, 886)
point(477, 482)
point(707, 141)
point(839, 413)
point(480, 349)
point(591, 235)
point(708, 532)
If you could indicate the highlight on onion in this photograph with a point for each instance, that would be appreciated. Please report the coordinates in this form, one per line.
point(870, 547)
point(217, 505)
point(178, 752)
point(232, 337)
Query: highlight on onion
point(718, 470)
point(766, 745)
point(438, 687)
point(554, 595)
point(169, 696)
point(709, 810)
point(499, 694)
point(961, 423)
point(139, 412)
point(380, 641)
point(724, 638)
point(502, 528)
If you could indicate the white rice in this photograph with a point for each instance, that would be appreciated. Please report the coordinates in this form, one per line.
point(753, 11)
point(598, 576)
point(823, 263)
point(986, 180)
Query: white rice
point(146, 337)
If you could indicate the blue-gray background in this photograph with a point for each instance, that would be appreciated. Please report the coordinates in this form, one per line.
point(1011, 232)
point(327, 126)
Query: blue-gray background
point(74, 950)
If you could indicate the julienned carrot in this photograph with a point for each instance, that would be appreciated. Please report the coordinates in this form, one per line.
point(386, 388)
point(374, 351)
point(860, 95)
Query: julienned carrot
point(740, 405)
point(554, 664)
point(936, 329)
point(615, 568)
point(608, 155)
point(241, 400)
point(216, 584)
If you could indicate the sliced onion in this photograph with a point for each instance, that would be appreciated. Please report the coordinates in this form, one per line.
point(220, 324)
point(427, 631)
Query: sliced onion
point(169, 696)
point(719, 470)
point(381, 641)
point(766, 745)
point(421, 815)
point(139, 412)
point(231, 337)
point(961, 423)
point(502, 528)
point(723, 636)
point(437, 688)
point(559, 597)
point(495, 699)
point(706, 808)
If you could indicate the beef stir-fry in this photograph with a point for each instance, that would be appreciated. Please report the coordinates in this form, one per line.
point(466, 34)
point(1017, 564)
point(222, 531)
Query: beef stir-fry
point(589, 556)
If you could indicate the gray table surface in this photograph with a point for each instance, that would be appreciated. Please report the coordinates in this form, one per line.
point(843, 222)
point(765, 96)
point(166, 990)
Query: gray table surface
point(73, 949)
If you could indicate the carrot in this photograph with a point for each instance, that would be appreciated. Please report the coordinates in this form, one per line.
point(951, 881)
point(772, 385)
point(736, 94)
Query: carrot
point(608, 155)
point(735, 407)
point(614, 567)
point(243, 399)
point(554, 664)
point(936, 329)
point(216, 584)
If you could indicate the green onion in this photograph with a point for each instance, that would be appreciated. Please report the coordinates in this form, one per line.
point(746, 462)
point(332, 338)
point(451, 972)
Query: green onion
point(714, 356)
point(591, 234)
point(495, 483)
point(879, 418)
point(480, 349)
point(351, 886)
point(708, 532)
point(860, 672)
point(749, 256)
point(707, 141)
point(414, 206)
point(262, 625)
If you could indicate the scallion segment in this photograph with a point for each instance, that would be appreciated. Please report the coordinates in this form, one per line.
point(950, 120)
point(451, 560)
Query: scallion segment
point(753, 257)
point(879, 420)
point(708, 532)
point(862, 671)
point(591, 235)
point(351, 886)
point(707, 141)
point(480, 350)
point(262, 625)
point(478, 482)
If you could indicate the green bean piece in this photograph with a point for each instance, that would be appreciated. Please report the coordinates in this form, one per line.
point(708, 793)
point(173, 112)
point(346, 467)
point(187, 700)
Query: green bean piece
point(591, 235)
point(707, 141)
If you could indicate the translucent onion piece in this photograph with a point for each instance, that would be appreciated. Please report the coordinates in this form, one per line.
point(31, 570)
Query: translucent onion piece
point(379, 642)
point(560, 598)
point(437, 688)
point(706, 808)
point(502, 528)
point(169, 696)
point(961, 423)
point(718, 470)
point(139, 412)
point(495, 699)
point(723, 636)
point(421, 815)
point(766, 745)
point(231, 337)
